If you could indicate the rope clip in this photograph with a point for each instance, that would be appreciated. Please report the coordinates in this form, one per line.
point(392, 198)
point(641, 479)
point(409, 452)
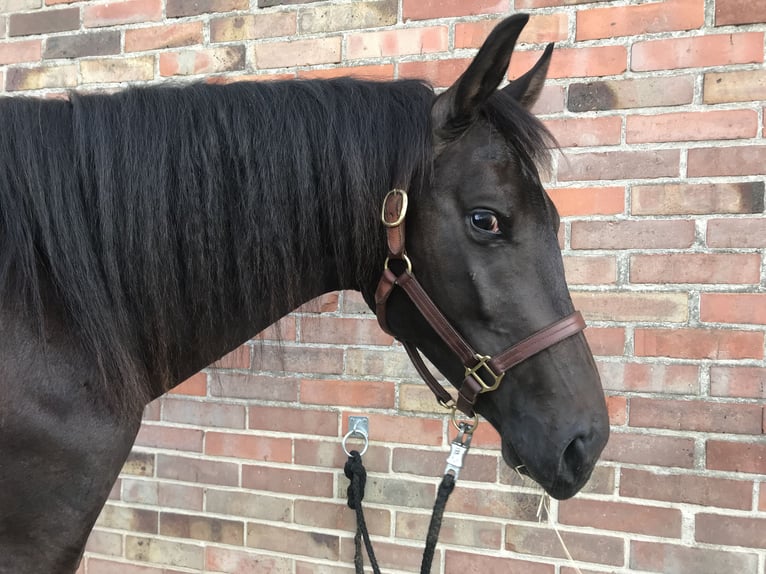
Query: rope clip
point(458, 449)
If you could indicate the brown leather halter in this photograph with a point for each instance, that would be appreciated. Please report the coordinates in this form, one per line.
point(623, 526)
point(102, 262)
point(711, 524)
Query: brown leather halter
point(477, 366)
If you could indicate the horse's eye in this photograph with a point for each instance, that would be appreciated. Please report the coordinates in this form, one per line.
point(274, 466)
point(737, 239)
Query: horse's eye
point(485, 221)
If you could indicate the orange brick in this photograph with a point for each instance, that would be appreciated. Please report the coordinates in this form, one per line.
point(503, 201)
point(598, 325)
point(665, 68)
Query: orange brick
point(161, 37)
point(342, 330)
point(408, 430)
point(614, 165)
point(633, 306)
point(605, 341)
point(574, 62)
point(736, 268)
point(632, 234)
point(640, 19)
point(573, 201)
point(650, 378)
point(127, 12)
point(691, 199)
point(376, 394)
point(695, 415)
point(21, 51)
point(427, 9)
point(578, 132)
point(396, 42)
point(250, 447)
point(293, 420)
point(733, 12)
point(742, 86)
point(692, 126)
point(617, 409)
point(590, 270)
point(736, 233)
point(251, 26)
point(117, 70)
point(439, 73)
point(540, 29)
point(288, 480)
point(742, 382)
point(298, 53)
point(740, 160)
point(196, 385)
point(648, 449)
point(747, 308)
point(697, 52)
point(698, 343)
point(192, 62)
point(383, 72)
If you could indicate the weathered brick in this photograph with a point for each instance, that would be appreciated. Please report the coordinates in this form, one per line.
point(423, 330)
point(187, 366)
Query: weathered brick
point(481, 468)
point(343, 330)
point(612, 165)
point(632, 234)
point(187, 497)
point(692, 126)
point(390, 43)
point(584, 62)
point(733, 308)
point(385, 364)
point(419, 398)
point(131, 70)
point(461, 532)
point(181, 8)
point(19, 5)
point(693, 199)
point(621, 517)
point(293, 420)
point(668, 16)
point(41, 77)
point(394, 555)
point(100, 566)
point(126, 12)
point(251, 447)
point(44, 22)
point(202, 413)
point(245, 562)
point(21, 51)
point(249, 505)
point(633, 306)
point(161, 436)
point(585, 132)
point(739, 268)
point(550, 101)
point(462, 562)
point(427, 9)
point(291, 481)
point(650, 378)
point(106, 543)
point(736, 233)
point(211, 60)
point(734, 12)
point(162, 37)
point(329, 454)
point(606, 341)
point(701, 51)
point(686, 488)
point(249, 386)
point(494, 503)
point(740, 86)
point(83, 45)
point(377, 394)
point(335, 516)
point(139, 464)
point(409, 430)
point(207, 528)
point(540, 28)
point(298, 53)
point(696, 415)
point(651, 450)
point(293, 541)
point(676, 559)
point(131, 519)
point(170, 553)
point(699, 343)
point(299, 359)
point(741, 382)
point(730, 530)
point(595, 270)
point(631, 93)
point(383, 72)
point(543, 541)
point(736, 456)
point(439, 73)
point(239, 358)
point(195, 470)
point(359, 15)
point(740, 160)
point(252, 26)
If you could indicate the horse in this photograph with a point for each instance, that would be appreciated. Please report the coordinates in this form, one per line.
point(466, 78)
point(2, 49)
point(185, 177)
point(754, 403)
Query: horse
point(146, 233)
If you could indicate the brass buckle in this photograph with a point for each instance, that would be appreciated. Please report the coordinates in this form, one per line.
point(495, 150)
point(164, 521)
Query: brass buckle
point(402, 212)
point(473, 372)
point(467, 428)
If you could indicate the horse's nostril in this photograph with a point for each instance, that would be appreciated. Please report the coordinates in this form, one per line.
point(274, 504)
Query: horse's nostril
point(574, 456)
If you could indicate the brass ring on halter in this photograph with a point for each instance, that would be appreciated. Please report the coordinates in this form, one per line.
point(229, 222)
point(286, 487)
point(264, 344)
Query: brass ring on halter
point(402, 257)
point(463, 427)
point(402, 212)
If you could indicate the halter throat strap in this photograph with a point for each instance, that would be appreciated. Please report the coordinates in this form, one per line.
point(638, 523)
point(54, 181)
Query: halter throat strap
point(482, 372)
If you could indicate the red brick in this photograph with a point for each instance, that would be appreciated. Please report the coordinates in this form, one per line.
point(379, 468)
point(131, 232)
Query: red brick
point(606, 341)
point(688, 489)
point(550, 101)
point(736, 232)
point(99, 566)
point(249, 447)
point(762, 500)
point(395, 492)
point(582, 547)
point(480, 467)
point(252, 26)
point(384, 72)
point(631, 93)
point(194, 386)
point(697, 52)
point(195, 470)
point(741, 382)
point(621, 517)
point(575, 62)
point(733, 308)
point(44, 22)
point(334, 516)
point(21, 51)
point(693, 199)
point(239, 358)
point(288, 480)
point(180, 496)
point(730, 530)
point(203, 413)
point(293, 420)
point(390, 43)
point(617, 409)
point(394, 555)
point(650, 377)
point(595, 270)
point(736, 268)
point(127, 12)
point(341, 330)
point(465, 563)
point(494, 503)
point(519, 4)
point(131, 519)
point(696, 415)
point(248, 504)
point(376, 394)
point(206, 528)
point(245, 562)
point(649, 450)
point(475, 534)
point(248, 386)
point(579, 132)
point(692, 126)
point(202, 61)
point(299, 359)
point(733, 12)
point(698, 343)
point(736, 456)
point(162, 37)
point(427, 9)
point(408, 430)
point(327, 303)
point(105, 543)
point(740, 160)
point(676, 559)
point(298, 53)
point(742, 86)
point(614, 165)
point(439, 73)
point(632, 306)
point(317, 568)
point(541, 28)
point(172, 438)
point(640, 19)
point(180, 8)
point(293, 541)
point(329, 454)
point(632, 234)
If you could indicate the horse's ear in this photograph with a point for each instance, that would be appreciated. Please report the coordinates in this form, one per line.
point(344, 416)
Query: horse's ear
point(456, 108)
point(526, 89)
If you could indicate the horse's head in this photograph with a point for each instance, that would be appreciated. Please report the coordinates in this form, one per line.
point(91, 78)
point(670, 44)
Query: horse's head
point(482, 238)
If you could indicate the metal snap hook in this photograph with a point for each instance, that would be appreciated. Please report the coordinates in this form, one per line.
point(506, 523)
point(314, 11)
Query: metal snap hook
point(359, 426)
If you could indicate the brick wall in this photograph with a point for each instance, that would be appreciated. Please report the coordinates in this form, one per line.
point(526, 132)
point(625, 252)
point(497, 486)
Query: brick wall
point(660, 110)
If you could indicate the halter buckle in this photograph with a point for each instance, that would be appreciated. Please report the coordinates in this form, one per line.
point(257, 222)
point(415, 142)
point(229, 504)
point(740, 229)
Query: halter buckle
point(402, 211)
point(474, 372)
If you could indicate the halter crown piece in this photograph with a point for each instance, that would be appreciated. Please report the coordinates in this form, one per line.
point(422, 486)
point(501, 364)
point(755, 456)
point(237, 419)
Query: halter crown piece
point(483, 373)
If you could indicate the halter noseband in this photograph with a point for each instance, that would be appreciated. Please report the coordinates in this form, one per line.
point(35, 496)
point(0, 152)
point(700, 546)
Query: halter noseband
point(482, 372)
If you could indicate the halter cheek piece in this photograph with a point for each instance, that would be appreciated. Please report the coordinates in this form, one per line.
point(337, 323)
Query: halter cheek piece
point(482, 372)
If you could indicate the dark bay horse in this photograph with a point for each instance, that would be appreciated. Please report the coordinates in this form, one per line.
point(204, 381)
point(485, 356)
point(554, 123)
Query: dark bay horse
point(145, 234)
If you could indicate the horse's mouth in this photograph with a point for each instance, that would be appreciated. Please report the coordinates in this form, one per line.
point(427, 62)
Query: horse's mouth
point(562, 486)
